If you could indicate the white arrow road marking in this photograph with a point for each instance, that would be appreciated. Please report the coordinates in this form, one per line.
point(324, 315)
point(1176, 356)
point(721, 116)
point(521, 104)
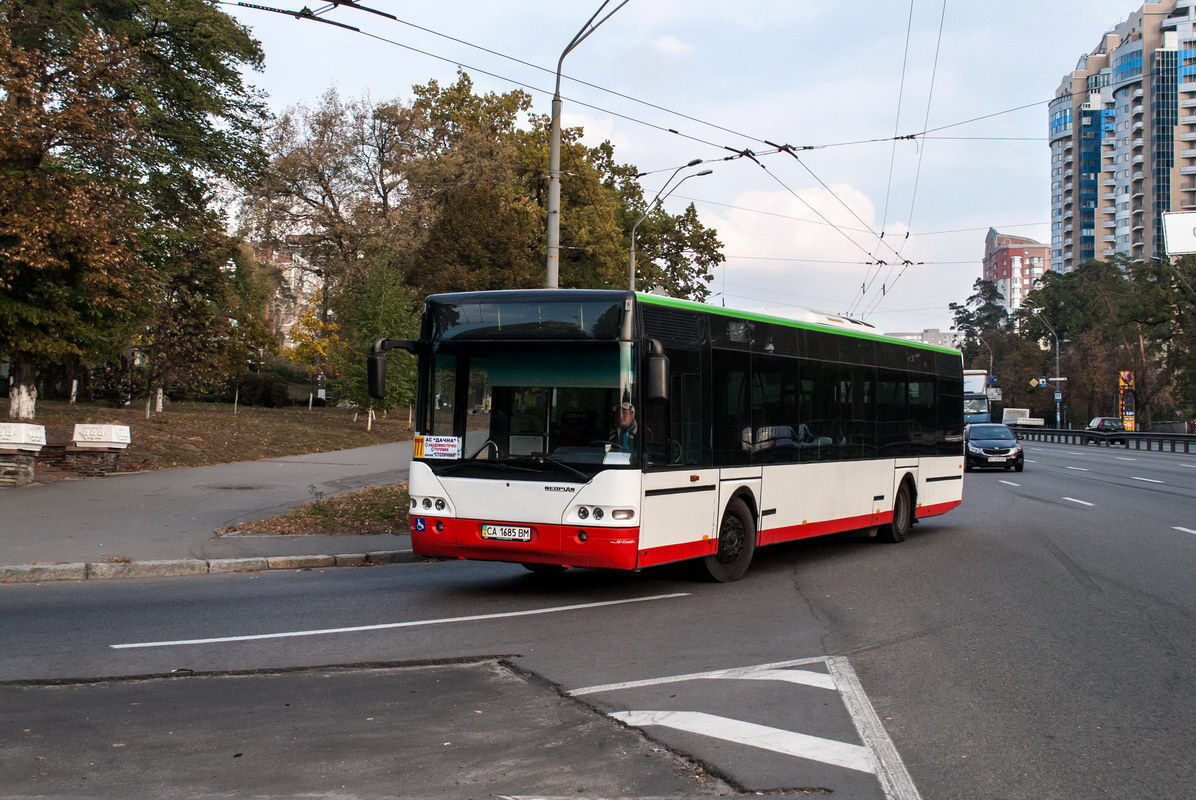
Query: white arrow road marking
point(1081, 502)
point(770, 671)
point(1147, 480)
point(815, 748)
point(388, 625)
point(1009, 483)
point(1185, 530)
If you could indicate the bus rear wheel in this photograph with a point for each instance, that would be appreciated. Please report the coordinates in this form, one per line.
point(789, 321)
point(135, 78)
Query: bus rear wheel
point(736, 544)
point(903, 517)
point(544, 569)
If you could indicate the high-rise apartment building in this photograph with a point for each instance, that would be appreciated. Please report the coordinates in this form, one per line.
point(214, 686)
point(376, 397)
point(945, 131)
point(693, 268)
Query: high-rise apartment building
point(1014, 263)
point(1123, 138)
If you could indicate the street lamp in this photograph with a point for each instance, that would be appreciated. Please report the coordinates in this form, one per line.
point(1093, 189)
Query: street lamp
point(655, 201)
point(554, 157)
point(1058, 389)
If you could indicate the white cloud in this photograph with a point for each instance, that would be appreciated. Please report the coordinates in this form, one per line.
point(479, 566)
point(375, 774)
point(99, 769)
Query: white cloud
point(672, 47)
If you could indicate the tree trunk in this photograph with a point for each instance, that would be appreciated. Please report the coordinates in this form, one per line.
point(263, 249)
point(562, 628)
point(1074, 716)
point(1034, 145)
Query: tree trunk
point(158, 400)
point(74, 390)
point(22, 392)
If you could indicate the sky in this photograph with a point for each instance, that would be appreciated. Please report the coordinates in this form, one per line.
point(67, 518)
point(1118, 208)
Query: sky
point(799, 72)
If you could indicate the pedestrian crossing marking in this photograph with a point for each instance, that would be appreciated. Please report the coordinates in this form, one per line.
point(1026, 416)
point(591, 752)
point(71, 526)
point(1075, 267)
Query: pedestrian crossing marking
point(800, 745)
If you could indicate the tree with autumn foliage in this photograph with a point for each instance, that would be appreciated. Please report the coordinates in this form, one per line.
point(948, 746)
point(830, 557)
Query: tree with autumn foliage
point(118, 121)
point(448, 192)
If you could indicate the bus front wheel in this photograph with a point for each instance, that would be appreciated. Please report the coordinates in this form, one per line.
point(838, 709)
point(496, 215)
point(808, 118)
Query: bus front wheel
point(736, 544)
point(903, 516)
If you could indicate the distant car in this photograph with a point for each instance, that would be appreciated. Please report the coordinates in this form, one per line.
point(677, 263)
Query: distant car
point(989, 445)
point(1105, 426)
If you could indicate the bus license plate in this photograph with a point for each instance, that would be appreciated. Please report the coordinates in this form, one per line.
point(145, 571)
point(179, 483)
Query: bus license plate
point(507, 533)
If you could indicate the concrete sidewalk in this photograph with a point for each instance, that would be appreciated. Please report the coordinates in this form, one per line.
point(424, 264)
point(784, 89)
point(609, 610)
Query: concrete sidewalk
point(174, 513)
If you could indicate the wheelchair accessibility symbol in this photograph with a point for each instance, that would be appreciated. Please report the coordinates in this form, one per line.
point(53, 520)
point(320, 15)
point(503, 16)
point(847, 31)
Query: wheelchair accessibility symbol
point(421, 524)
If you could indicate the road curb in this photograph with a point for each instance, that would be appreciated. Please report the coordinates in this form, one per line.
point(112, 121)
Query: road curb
point(99, 570)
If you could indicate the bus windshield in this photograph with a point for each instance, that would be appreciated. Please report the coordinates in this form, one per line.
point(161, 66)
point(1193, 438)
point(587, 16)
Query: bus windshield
point(975, 405)
point(573, 404)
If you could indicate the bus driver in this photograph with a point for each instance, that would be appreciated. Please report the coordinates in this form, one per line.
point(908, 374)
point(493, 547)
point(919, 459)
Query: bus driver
point(626, 427)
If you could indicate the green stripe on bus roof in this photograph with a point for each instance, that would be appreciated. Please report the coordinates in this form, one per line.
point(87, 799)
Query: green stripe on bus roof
point(655, 299)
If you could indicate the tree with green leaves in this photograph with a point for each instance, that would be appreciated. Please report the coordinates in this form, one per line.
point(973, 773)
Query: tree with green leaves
point(980, 316)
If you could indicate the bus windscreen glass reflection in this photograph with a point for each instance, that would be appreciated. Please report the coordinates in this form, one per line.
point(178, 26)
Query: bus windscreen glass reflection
point(574, 405)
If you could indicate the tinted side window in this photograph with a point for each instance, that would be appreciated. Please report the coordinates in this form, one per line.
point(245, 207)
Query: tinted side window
point(892, 431)
point(732, 422)
point(857, 411)
point(923, 415)
point(950, 417)
point(775, 422)
point(819, 429)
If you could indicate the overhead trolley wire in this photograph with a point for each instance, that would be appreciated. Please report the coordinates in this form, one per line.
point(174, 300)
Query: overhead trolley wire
point(917, 171)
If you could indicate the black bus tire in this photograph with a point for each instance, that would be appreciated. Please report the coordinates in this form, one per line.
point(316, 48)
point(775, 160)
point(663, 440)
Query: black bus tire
point(903, 516)
point(736, 544)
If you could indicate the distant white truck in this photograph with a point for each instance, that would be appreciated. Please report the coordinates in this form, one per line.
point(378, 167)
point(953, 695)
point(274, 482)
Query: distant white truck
point(1020, 416)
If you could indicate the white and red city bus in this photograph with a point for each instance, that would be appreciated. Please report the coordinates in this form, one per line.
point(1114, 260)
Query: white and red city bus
point(596, 428)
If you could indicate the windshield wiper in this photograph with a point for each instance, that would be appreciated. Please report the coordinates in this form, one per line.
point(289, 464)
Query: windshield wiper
point(478, 462)
point(547, 459)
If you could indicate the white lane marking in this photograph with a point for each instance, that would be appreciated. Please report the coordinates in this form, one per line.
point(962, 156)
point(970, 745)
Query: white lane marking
point(1009, 483)
point(1188, 465)
point(1147, 480)
point(1029, 461)
point(1185, 530)
point(1123, 458)
point(1073, 453)
point(735, 672)
point(803, 676)
point(1081, 502)
point(894, 778)
point(388, 625)
point(801, 745)
point(1078, 469)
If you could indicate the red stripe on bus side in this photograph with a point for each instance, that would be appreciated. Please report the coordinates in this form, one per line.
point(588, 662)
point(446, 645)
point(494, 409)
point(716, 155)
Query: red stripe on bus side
point(806, 530)
point(677, 552)
point(935, 509)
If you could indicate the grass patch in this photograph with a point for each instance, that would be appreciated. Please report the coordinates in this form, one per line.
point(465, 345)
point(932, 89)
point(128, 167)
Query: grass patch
point(198, 434)
point(374, 509)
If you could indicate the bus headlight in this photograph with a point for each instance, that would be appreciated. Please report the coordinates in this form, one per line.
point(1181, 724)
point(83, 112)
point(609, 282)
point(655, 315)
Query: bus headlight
point(622, 513)
point(598, 513)
point(427, 503)
point(440, 504)
point(583, 513)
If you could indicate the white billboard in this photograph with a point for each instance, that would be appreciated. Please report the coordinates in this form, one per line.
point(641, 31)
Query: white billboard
point(1179, 232)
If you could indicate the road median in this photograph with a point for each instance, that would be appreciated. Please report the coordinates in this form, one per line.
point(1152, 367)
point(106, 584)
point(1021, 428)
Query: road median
point(163, 568)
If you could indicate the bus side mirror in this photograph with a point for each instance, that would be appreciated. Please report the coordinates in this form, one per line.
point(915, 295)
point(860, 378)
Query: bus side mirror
point(375, 367)
point(657, 389)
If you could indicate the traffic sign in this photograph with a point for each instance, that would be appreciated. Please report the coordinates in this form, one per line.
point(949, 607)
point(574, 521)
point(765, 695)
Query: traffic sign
point(1058, 397)
point(992, 380)
point(1034, 383)
point(1042, 380)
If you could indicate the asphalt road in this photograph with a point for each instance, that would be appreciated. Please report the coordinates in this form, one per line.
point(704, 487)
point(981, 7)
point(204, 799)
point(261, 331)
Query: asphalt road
point(1035, 643)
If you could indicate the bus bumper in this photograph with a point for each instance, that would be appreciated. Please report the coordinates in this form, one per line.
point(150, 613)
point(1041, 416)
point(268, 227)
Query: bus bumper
point(570, 545)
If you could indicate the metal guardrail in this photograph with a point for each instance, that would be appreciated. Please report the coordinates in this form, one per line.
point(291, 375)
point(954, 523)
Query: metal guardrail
point(1162, 442)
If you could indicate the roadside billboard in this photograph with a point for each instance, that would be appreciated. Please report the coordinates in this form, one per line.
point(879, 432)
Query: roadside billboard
point(1179, 232)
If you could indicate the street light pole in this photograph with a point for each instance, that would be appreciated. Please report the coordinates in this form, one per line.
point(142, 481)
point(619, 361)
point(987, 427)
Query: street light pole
point(655, 200)
point(1058, 389)
point(554, 145)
